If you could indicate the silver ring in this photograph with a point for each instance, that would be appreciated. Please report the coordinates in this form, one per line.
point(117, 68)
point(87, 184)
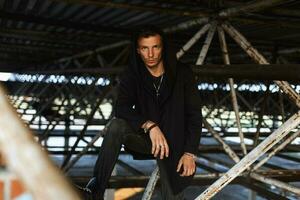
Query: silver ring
point(161, 145)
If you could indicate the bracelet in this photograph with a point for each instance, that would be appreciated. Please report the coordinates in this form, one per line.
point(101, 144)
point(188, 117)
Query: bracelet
point(191, 155)
point(147, 130)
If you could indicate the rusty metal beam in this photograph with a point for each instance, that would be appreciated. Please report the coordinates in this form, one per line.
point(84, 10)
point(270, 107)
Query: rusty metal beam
point(22, 151)
point(259, 58)
point(192, 41)
point(236, 71)
point(263, 147)
point(226, 60)
point(252, 6)
point(207, 43)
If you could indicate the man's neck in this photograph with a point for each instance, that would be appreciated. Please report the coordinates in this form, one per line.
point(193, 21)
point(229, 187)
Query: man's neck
point(156, 71)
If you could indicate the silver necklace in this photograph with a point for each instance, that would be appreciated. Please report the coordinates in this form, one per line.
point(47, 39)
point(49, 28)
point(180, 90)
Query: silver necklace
point(158, 87)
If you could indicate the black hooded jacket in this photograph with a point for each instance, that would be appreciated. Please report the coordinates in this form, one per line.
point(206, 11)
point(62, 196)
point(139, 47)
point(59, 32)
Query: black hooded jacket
point(177, 111)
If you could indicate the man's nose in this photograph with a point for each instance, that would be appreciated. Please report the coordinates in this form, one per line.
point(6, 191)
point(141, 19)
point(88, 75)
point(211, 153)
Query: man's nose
point(150, 53)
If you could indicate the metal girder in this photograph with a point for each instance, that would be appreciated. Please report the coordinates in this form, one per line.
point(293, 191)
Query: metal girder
point(252, 6)
point(226, 60)
point(240, 179)
point(97, 50)
point(84, 151)
point(276, 150)
point(236, 71)
point(134, 7)
point(90, 117)
point(202, 179)
point(207, 43)
point(151, 184)
point(16, 152)
point(256, 56)
point(192, 41)
point(54, 22)
point(262, 148)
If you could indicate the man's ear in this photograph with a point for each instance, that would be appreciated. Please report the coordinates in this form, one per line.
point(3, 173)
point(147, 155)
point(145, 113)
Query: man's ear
point(138, 50)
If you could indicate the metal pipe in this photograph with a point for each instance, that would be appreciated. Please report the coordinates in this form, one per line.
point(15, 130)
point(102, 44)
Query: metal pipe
point(263, 147)
point(226, 60)
point(151, 184)
point(207, 43)
point(277, 149)
point(280, 184)
point(255, 55)
point(192, 41)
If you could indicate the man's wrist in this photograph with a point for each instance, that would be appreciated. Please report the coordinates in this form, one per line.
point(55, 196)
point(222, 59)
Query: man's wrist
point(190, 155)
point(148, 125)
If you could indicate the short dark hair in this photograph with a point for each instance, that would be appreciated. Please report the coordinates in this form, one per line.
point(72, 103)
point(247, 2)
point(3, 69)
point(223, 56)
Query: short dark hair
point(168, 55)
point(147, 31)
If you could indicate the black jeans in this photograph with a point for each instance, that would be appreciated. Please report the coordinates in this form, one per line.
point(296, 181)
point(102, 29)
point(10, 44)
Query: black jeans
point(119, 132)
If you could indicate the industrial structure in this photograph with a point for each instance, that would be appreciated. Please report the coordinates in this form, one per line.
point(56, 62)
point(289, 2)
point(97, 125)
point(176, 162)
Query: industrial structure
point(61, 60)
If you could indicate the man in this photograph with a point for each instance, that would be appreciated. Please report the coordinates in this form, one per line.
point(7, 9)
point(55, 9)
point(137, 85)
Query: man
point(157, 113)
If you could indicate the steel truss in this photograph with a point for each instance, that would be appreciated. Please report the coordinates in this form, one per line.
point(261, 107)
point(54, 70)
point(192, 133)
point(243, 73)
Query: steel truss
point(263, 115)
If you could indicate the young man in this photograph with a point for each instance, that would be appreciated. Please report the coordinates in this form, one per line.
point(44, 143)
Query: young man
point(157, 113)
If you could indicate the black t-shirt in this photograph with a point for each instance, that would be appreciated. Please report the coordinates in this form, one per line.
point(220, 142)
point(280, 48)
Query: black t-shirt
point(157, 82)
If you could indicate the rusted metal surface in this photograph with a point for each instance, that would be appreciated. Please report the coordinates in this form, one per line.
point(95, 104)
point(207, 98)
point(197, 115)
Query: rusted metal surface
point(206, 44)
point(252, 156)
point(277, 149)
point(151, 184)
point(226, 60)
point(187, 24)
point(256, 56)
point(256, 176)
point(279, 184)
point(192, 41)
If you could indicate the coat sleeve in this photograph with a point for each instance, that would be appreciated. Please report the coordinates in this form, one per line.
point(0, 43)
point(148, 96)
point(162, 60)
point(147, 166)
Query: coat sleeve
point(126, 103)
point(193, 114)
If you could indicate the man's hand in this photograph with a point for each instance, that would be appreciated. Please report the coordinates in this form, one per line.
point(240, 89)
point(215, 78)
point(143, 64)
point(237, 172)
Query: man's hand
point(159, 143)
point(188, 164)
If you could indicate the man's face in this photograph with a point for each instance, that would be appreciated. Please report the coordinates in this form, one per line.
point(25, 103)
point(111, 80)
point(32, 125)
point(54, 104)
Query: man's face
point(150, 50)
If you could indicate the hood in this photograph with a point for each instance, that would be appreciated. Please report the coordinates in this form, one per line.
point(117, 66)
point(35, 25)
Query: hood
point(137, 67)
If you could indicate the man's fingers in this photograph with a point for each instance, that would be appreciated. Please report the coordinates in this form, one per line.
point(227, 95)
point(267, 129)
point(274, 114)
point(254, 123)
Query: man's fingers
point(157, 149)
point(179, 165)
point(153, 149)
point(166, 149)
point(184, 173)
point(188, 170)
point(162, 151)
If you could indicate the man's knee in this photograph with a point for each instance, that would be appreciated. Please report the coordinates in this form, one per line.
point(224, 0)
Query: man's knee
point(116, 126)
point(117, 122)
